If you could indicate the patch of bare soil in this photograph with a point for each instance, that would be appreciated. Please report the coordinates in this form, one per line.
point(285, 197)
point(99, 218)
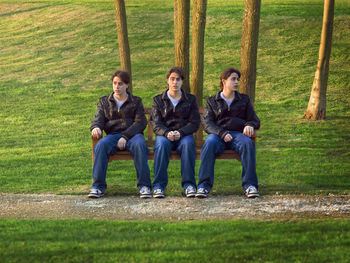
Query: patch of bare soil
point(270, 207)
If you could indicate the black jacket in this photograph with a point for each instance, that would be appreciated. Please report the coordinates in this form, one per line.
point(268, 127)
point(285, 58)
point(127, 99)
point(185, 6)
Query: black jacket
point(184, 117)
point(219, 119)
point(129, 120)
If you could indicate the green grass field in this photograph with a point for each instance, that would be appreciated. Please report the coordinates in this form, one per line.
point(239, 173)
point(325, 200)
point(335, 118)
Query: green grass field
point(220, 241)
point(56, 59)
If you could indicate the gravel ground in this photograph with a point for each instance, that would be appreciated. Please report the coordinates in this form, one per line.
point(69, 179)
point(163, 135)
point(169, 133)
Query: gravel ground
point(270, 207)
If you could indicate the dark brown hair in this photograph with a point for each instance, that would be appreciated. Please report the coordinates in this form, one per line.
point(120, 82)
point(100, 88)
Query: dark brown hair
point(227, 73)
point(176, 70)
point(123, 75)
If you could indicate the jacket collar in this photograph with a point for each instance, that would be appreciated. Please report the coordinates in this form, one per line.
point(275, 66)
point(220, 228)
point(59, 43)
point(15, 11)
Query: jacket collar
point(129, 99)
point(237, 96)
point(183, 97)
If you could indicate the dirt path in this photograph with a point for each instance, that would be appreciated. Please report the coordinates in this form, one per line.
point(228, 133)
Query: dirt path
point(33, 206)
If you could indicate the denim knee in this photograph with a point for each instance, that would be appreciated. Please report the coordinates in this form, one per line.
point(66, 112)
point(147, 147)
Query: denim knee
point(101, 146)
point(162, 143)
point(137, 143)
point(245, 143)
point(187, 143)
point(211, 141)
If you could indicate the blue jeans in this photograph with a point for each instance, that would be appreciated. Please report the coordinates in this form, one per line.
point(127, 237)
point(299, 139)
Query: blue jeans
point(214, 146)
point(162, 151)
point(108, 146)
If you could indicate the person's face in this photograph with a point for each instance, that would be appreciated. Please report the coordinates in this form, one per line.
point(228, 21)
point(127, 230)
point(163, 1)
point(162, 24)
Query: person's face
point(231, 83)
point(174, 82)
point(119, 87)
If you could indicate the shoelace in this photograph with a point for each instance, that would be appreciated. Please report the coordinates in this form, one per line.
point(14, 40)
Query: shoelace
point(251, 189)
point(190, 189)
point(144, 189)
point(202, 191)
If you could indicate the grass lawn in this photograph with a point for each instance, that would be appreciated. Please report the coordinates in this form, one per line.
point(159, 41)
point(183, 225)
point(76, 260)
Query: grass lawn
point(220, 241)
point(56, 59)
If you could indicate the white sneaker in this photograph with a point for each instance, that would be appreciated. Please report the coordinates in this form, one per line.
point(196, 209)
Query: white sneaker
point(202, 193)
point(158, 193)
point(190, 191)
point(251, 192)
point(95, 193)
point(145, 192)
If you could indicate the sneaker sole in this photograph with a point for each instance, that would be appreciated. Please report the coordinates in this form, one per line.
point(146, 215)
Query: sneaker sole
point(145, 196)
point(252, 195)
point(191, 195)
point(201, 196)
point(158, 196)
point(94, 196)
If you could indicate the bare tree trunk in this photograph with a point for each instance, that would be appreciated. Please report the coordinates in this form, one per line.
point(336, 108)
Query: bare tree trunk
point(182, 46)
point(249, 47)
point(123, 41)
point(316, 108)
point(198, 29)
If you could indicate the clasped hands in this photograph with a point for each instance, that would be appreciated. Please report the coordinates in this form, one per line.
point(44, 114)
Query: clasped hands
point(174, 136)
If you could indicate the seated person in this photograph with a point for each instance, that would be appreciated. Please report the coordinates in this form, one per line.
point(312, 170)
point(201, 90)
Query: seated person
point(230, 121)
point(174, 119)
point(121, 115)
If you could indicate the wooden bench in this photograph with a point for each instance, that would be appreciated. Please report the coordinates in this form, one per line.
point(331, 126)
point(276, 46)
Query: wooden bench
point(125, 155)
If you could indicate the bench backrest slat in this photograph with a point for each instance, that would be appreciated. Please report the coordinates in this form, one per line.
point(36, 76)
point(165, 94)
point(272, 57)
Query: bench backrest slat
point(150, 140)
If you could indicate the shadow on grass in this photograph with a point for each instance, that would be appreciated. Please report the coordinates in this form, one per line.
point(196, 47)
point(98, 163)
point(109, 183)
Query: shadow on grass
point(24, 11)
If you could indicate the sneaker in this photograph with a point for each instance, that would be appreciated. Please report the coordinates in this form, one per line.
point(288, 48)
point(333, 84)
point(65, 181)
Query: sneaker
point(202, 193)
point(145, 192)
point(251, 192)
point(158, 193)
point(95, 193)
point(190, 191)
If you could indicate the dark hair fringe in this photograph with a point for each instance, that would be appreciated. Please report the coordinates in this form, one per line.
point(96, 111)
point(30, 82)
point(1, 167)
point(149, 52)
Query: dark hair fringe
point(123, 75)
point(176, 70)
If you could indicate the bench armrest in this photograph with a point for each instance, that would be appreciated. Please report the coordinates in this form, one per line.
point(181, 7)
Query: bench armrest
point(95, 141)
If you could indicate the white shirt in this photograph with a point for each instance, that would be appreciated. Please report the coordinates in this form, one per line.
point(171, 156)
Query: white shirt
point(119, 102)
point(173, 101)
point(227, 101)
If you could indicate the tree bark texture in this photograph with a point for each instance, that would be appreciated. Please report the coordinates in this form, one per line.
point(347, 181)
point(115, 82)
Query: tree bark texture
point(123, 41)
point(182, 46)
point(249, 47)
point(198, 30)
point(316, 108)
